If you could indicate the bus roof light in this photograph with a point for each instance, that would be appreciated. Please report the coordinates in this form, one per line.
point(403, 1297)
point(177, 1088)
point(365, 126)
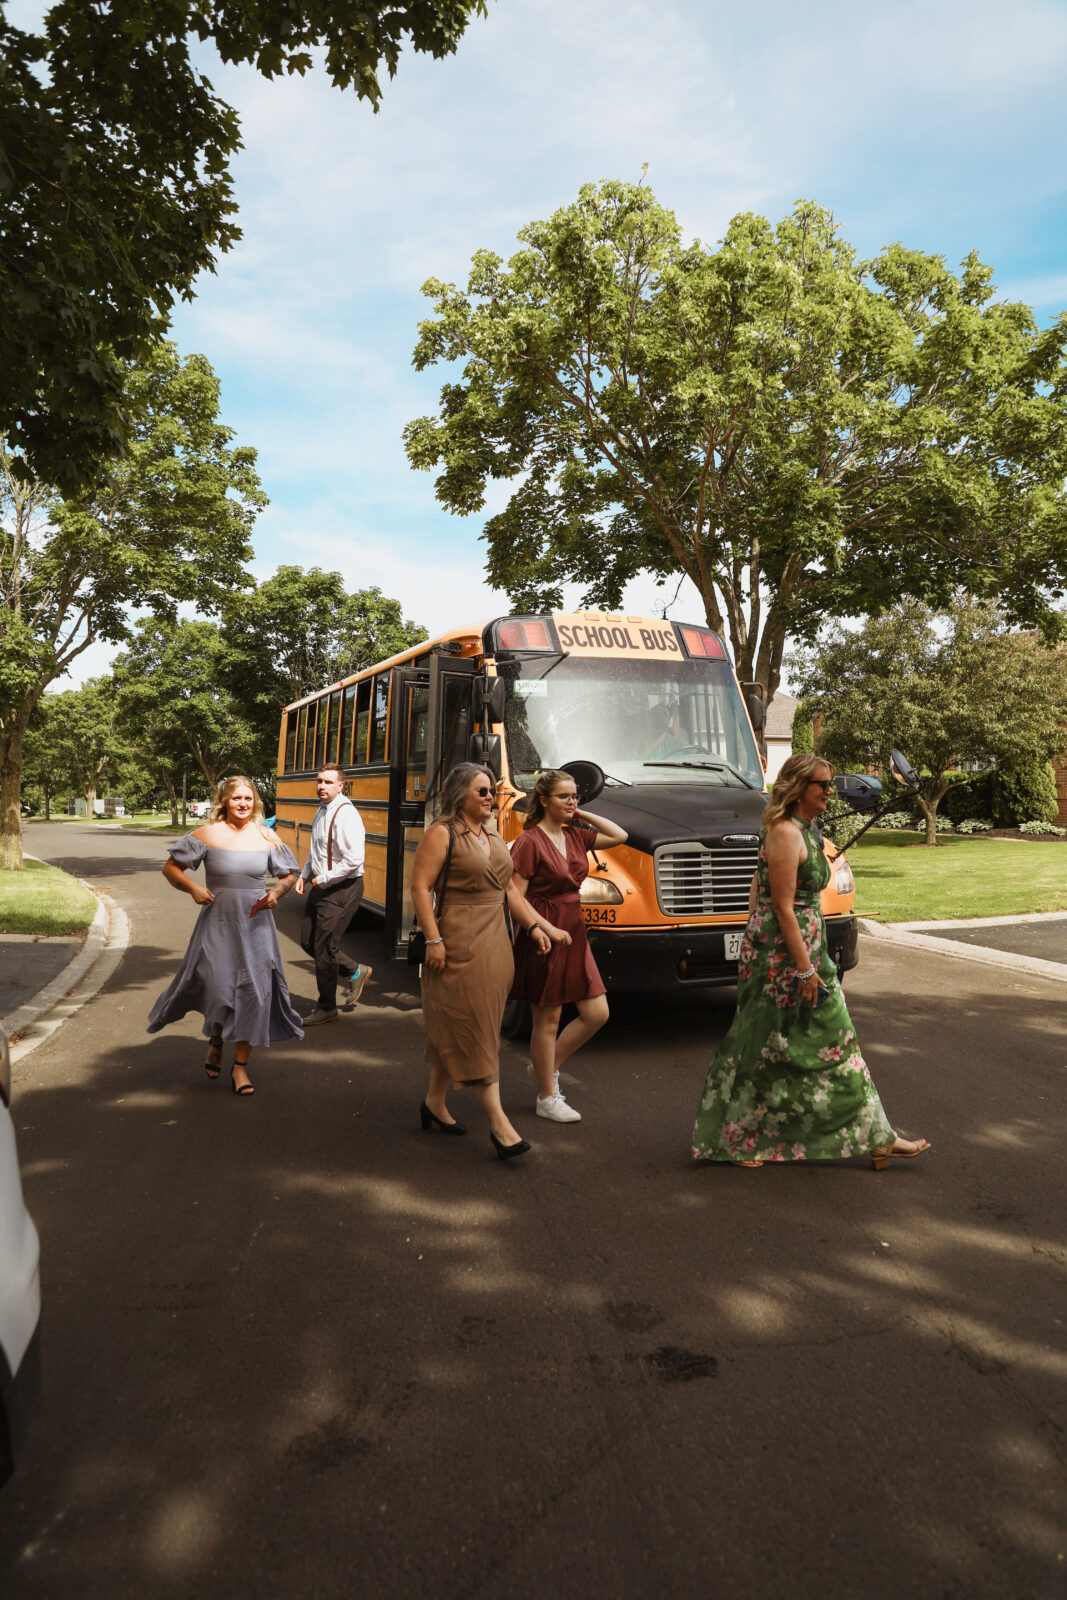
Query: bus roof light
point(702, 642)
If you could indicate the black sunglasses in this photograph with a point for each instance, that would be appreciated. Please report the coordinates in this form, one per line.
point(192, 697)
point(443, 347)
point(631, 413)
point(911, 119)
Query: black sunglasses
point(825, 784)
point(483, 792)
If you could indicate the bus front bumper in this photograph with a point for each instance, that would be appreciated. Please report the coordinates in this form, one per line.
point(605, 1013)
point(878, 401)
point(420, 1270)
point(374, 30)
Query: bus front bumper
point(657, 960)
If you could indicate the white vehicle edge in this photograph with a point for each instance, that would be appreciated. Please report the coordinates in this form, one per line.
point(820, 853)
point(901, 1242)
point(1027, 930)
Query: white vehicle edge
point(20, 1289)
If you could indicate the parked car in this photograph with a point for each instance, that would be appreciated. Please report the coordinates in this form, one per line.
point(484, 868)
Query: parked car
point(20, 1289)
point(858, 790)
point(199, 808)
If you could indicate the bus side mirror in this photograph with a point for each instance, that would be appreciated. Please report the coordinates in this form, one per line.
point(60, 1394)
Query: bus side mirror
point(902, 769)
point(486, 750)
point(753, 693)
point(490, 697)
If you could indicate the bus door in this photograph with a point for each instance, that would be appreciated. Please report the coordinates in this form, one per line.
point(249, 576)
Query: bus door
point(409, 696)
point(451, 720)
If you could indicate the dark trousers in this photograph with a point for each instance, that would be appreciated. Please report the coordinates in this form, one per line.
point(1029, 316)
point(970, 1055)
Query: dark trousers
point(327, 913)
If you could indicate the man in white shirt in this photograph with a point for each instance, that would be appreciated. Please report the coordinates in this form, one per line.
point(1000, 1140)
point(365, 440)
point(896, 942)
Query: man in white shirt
point(332, 878)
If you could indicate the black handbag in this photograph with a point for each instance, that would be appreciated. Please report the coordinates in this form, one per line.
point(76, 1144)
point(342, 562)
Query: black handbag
point(416, 938)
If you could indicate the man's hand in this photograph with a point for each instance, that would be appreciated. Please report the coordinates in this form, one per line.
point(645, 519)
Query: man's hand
point(299, 885)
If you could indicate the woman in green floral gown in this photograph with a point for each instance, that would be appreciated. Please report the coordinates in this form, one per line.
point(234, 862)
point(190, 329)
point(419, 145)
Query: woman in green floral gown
point(788, 1082)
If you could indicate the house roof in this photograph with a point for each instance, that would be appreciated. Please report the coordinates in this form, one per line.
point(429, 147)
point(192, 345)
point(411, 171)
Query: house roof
point(780, 716)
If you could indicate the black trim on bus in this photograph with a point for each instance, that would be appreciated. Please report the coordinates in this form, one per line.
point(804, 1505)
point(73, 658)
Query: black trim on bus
point(359, 802)
point(379, 769)
point(377, 838)
point(284, 822)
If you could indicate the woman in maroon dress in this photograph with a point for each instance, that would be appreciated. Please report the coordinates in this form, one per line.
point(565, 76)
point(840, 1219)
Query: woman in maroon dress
point(550, 861)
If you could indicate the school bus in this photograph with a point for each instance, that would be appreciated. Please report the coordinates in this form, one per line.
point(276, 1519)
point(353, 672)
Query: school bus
point(654, 704)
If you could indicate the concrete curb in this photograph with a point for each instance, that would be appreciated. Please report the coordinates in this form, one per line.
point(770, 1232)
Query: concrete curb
point(903, 934)
point(81, 979)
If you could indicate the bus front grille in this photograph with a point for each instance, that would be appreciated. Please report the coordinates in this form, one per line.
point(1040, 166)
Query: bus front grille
point(693, 881)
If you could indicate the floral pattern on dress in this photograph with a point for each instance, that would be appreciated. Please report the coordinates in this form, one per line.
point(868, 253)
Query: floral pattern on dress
point(788, 1082)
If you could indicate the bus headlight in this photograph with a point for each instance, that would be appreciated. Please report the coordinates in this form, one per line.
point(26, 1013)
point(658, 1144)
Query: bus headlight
point(599, 892)
point(844, 882)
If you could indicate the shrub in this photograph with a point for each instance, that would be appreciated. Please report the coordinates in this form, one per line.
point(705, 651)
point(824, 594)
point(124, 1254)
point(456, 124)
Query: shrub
point(895, 819)
point(803, 732)
point(1043, 828)
point(973, 825)
point(1025, 790)
point(969, 794)
point(839, 820)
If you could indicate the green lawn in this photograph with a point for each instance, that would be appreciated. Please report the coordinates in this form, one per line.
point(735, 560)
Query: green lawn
point(41, 899)
point(154, 821)
point(898, 880)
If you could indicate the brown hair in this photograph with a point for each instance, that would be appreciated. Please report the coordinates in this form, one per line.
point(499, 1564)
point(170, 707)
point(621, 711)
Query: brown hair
point(542, 790)
point(330, 766)
point(222, 796)
point(455, 789)
point(797, 772)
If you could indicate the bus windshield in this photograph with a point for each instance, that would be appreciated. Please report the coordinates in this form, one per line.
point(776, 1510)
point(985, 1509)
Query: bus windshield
point(643, 720)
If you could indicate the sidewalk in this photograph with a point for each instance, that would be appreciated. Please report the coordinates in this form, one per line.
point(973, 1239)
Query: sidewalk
point(45, 981)
point(1036, 943)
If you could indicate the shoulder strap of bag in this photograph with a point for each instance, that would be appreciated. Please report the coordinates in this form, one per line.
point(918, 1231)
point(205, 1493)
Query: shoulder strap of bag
point(329, 836)
point(440, 895)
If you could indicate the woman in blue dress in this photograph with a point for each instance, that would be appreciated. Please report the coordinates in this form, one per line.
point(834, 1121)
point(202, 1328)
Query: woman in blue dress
point(232, 971)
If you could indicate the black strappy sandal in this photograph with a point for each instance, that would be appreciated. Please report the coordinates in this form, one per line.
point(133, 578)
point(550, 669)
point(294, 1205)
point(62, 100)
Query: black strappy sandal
point(213, 1064)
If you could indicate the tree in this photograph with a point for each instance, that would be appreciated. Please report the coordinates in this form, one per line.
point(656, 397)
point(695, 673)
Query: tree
point(83, 733)
point(947, 691)
point(116, 187)
point(45, 767)
point(171, 685)
point(168, 522)
point(801, 433)
point(803, 740)
point(299, 631)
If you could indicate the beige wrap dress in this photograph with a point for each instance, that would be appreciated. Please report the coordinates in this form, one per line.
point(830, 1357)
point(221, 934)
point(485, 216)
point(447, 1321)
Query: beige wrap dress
point(463, 1006)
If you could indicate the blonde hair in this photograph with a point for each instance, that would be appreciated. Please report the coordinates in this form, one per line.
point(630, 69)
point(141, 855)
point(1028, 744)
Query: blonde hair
point(797, 772)
point(222, 796)
point(542, 790)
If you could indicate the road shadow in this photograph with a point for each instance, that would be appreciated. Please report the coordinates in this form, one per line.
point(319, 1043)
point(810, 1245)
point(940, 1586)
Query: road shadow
point(280, 1329)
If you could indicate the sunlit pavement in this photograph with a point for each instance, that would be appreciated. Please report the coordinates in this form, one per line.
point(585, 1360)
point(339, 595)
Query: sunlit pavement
point(295, 1347)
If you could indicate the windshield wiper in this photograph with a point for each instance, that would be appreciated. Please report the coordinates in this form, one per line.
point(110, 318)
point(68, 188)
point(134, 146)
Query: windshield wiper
point(711, 766)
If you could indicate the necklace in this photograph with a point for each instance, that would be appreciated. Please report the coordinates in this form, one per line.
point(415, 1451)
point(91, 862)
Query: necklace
point(558, 839)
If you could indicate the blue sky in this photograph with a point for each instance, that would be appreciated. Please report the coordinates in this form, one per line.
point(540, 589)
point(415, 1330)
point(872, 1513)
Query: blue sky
point(941, 124)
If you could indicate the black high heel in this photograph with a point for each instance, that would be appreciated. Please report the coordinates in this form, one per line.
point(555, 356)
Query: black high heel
point(213, 1064)
point(506, 1151)
point(246, 1088)
point(429, 1120)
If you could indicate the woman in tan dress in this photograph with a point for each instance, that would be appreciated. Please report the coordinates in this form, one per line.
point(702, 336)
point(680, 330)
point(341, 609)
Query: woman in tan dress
point(469, 968)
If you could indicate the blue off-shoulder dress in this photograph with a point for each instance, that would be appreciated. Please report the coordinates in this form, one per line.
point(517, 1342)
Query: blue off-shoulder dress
point(232, 970)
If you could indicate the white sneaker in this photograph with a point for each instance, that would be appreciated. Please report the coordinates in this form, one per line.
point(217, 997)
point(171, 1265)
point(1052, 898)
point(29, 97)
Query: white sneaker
point(556, 1109)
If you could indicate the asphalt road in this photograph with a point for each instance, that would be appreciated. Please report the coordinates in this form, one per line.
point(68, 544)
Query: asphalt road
point(295, 1347)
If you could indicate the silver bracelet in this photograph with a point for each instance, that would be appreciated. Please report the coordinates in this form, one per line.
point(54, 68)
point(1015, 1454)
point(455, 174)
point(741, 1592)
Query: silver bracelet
point(438, 940)
point(802, 977)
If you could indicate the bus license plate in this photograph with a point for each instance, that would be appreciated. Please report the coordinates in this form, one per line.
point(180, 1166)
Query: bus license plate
point(733, 945)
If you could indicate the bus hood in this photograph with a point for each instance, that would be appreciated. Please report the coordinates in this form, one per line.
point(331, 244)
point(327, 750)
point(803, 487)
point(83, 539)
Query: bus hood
point(670, 813)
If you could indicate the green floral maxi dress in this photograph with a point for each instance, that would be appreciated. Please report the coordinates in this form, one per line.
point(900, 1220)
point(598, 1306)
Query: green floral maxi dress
point(788, 1082)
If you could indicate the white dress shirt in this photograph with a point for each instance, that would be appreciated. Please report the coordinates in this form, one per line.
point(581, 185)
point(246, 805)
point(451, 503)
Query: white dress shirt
point(349, 843)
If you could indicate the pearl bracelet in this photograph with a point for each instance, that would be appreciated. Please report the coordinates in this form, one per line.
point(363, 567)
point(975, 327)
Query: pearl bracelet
point(802, 977)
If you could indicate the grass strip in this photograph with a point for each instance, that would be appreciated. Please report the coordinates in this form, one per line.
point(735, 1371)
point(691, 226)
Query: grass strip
point(40, 899)
point(901, 880)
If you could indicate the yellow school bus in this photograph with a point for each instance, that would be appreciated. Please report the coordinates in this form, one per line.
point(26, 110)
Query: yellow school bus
point(654, 704)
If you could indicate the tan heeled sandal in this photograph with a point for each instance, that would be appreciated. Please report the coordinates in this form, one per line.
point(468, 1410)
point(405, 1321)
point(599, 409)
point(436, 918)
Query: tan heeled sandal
point(881, 1158)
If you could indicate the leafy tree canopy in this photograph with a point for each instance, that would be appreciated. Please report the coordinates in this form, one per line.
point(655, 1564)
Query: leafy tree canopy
point(116, 189)
point(300, 630)
point(948, 691)
point(81, 732)
point(172, 684)
point(168, 522)
point(801, 433)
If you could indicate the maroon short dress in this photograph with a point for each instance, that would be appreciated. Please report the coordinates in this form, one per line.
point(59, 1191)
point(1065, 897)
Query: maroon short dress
point(568, 972)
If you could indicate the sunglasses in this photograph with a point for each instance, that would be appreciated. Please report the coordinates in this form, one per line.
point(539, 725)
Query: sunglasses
point(481, 793)
point(825, 784)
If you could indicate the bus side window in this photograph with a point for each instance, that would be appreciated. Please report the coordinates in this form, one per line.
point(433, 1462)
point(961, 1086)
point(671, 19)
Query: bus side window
point(359, 751)
point(291, 723)
point(381, 712)
point(335, 727)
point(301, 733)
point(420, 710)
point(344, 755)
point(322, 707)
point(457, 721)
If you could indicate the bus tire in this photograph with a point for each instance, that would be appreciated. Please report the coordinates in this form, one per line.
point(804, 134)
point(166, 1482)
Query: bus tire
point(517, 1020)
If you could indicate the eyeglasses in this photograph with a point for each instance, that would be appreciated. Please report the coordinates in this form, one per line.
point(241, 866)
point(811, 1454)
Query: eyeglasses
point(825, 784)
point(481, 793)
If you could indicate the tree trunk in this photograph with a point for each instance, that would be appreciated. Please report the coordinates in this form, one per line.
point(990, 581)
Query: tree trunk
point(90, 801)
point(172, 791)
point(47, 803)
point(929, 811)
point(10, 801)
